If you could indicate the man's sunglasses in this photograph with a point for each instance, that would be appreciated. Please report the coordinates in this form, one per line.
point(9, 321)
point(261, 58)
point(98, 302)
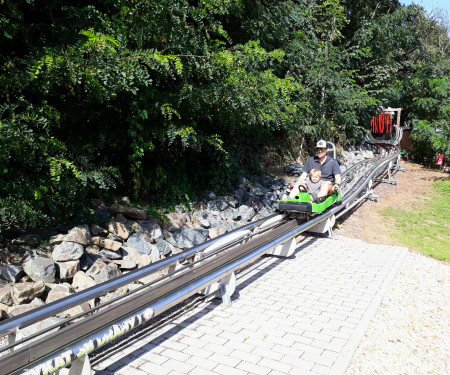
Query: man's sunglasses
point(322, 149)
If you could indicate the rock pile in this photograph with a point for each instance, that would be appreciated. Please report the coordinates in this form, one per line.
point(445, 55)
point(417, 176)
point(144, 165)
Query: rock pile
point(85, 256)
point(354, 156)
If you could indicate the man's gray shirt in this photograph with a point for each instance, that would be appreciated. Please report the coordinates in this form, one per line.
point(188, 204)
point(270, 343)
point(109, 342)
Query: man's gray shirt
point(329, 168)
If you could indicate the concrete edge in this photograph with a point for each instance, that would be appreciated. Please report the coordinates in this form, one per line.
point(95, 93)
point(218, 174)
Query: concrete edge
point(341, 365)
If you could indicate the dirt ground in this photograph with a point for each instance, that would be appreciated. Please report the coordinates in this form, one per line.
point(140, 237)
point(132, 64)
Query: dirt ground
point(366, 222)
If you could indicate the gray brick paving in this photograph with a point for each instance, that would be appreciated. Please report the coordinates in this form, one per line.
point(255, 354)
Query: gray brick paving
point(300, 315)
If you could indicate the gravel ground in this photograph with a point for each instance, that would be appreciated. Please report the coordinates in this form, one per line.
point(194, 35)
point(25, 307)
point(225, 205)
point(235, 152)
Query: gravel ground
point(410, 332)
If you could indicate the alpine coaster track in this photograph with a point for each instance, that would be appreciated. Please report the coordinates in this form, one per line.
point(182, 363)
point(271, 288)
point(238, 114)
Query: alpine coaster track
point(208, 269)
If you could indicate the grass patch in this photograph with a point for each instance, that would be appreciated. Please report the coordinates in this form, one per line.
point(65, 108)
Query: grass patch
point(426, 228)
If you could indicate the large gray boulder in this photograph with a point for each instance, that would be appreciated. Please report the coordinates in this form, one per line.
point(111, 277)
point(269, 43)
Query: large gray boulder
point(82, 281)
point(130, 257)
point(214, 218)
point(41, 268)
point(67, 270)
point(119, 229)
point(101, 271)
point(137, 241)
point(109, 272)
point(66, 251)
point(228, 214)
point(80, 234)
point(26, 292)
point(185, 238)
point(11, 273)
point(244, 213)
point(131, 212)
point(164, 247)
point(6, 295)
point(150, 228)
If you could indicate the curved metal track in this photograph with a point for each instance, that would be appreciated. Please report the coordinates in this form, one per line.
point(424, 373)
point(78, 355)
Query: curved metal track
point(207, 268)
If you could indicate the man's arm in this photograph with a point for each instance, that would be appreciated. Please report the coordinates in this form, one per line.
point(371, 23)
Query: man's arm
point(337, 182)
point(337, 176)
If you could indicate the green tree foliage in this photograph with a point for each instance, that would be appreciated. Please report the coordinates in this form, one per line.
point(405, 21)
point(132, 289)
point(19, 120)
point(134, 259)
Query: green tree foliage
point(330, 103)
point(430, 85)
point(167, 98)
point(407, 66)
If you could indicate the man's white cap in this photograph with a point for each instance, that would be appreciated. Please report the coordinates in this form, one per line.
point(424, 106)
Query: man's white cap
point(321, 144)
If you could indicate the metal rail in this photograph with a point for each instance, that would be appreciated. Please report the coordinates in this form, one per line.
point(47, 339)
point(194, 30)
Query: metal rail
point(53, 308)
point(231, 252)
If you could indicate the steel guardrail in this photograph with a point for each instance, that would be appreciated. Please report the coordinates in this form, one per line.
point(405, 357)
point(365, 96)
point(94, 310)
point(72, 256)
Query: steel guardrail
point(53, 308)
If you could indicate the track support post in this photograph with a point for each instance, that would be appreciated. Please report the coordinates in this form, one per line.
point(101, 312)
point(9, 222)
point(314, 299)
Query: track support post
point(81, 366)
point(284, 250)
point(15, 336)
point(388, 180)
point(370, 194)
point(223, 288)
point(397, 166)
point(324, 227)
point(226, 289)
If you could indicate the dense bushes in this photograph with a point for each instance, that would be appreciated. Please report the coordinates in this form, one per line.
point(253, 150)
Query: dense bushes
point(165, 99)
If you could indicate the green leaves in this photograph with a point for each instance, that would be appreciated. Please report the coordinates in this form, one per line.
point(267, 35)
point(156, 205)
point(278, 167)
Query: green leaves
point(167, 98)
point(98, 41)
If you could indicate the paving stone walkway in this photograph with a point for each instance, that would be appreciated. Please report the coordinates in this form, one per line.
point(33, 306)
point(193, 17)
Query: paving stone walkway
point(300, 315)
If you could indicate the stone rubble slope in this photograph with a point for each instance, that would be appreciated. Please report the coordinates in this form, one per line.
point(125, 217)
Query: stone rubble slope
point(31, 276)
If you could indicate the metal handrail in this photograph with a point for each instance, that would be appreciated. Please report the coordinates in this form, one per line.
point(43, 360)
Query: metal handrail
point(12, 324)
point(157, 301)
